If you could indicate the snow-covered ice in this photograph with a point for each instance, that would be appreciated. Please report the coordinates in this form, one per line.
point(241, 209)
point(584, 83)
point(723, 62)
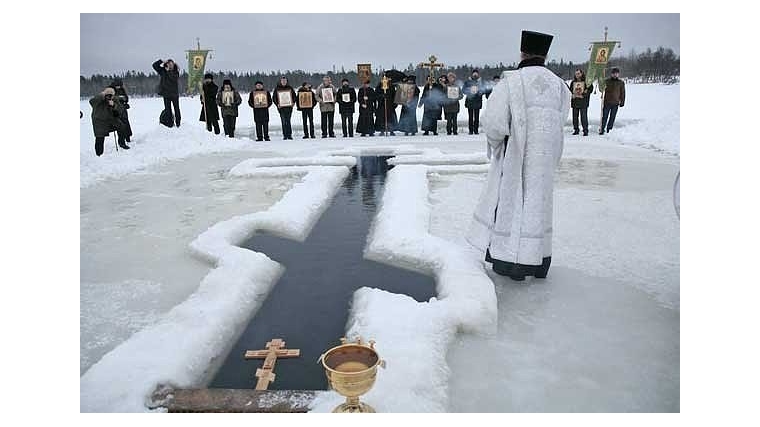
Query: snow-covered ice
point(165, 290)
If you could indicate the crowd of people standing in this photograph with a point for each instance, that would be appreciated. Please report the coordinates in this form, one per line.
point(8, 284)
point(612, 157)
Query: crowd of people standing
point(439, 99)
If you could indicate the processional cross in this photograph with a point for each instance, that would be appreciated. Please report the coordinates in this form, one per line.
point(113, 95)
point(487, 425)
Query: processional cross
point(432, 65)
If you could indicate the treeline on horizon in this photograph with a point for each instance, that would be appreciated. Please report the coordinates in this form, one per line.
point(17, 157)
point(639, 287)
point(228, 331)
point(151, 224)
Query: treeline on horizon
point(651, 66)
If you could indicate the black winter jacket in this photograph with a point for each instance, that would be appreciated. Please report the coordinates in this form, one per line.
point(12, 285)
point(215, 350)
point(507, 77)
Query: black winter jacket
point(105, 118)
point(452, 105)
point(276, 99)
point(301, 107)
point(581, 101)
point(473, 100)
point(260, 115)
point(168, 87)
point(209, 95)
point(346, 107)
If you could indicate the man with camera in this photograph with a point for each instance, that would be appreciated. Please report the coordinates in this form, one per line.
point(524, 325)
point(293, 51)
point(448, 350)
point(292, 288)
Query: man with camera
point(168, 87)
point(106, 113)
point(123, 99)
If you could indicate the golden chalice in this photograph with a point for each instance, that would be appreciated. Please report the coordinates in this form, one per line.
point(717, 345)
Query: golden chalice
point(351, 369)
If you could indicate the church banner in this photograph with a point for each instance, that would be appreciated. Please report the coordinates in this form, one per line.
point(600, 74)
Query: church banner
point(364, 72)
point(195, 69)
point(600, 56)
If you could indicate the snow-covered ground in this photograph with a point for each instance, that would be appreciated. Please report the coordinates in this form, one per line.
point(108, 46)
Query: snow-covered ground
point(601, 333)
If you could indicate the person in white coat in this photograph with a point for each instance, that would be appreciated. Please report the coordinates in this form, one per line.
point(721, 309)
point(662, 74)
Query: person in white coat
point(524, 122)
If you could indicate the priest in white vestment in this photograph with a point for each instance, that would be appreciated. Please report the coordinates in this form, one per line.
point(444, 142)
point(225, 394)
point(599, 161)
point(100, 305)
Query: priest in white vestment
point(524, 121)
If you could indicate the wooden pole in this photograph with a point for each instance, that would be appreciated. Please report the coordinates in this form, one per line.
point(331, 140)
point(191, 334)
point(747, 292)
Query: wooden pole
point(385, 107)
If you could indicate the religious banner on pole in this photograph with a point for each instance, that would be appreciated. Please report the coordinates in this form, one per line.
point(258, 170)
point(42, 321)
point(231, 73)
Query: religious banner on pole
point(597, 65)
point(600, 56)
point(195, 68)
point(364, 72)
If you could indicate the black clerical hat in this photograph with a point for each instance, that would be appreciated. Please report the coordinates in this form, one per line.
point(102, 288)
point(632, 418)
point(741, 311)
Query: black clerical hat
point(534, 43)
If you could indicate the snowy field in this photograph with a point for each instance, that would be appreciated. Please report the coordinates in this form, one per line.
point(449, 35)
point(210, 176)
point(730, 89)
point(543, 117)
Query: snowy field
point(165, 290)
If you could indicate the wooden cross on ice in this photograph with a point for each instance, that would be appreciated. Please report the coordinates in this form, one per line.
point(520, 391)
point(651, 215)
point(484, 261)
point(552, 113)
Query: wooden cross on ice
point(432, 65)
point(275, 348)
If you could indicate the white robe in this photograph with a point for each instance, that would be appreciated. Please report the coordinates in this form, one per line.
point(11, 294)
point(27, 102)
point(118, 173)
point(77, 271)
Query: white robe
point(513, 218)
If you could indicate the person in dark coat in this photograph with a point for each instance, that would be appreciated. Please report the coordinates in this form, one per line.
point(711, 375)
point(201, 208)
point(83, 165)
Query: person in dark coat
point(432, 99)
point(106, 113)
point(209, 109)
point(168, 87)
point(407, 123)
point(366, 99)
point(385, 107)
point(473, 90)
point(121, 96)
point(451, 106)
point(614, 97)
point(346, 101)
point(305, 104)
point(260, 111)
point(229, 99)
point(285, 110)
point(580, 100)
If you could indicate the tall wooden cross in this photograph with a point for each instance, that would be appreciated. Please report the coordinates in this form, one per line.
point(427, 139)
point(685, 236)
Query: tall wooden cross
point(275, 348)
point(432, 65)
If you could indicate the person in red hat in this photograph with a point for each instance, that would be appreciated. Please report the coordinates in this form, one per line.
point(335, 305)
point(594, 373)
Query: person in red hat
point(524, 121)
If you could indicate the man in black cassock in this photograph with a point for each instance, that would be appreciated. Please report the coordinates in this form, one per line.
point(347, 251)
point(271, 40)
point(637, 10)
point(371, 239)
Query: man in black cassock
point(385, 99)
point(366, 99)
point(433, 96)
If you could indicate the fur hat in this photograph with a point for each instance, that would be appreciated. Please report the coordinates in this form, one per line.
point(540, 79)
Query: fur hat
point(615, 70)
point(208, 76)
point(227, 82)
point(259, 82)
point(344, 80)
point(475, 71)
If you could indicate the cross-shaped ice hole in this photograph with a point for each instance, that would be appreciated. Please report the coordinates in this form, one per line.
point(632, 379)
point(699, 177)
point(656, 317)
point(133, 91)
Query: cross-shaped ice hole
point(309, 305)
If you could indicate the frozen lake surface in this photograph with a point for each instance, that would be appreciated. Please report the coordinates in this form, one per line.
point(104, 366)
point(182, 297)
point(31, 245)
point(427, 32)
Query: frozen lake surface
point(601, 333)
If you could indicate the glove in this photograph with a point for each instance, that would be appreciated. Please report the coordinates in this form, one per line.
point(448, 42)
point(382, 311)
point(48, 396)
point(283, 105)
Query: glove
point(621, 105)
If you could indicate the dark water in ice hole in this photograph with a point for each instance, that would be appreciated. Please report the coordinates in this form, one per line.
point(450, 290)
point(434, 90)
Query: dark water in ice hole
point(308, 307)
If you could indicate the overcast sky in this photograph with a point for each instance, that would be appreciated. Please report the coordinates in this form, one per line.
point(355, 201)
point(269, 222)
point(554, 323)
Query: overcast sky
point(114, 43)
